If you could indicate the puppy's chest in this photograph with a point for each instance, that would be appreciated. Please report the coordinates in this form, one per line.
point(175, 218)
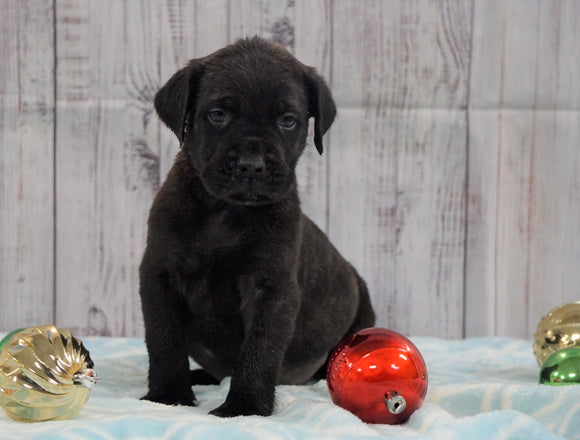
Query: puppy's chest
point(211, 237)
point(209, 262)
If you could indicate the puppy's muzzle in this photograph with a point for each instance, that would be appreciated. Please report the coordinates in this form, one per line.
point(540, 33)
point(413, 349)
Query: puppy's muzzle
point(249, 172)
point(251, 177)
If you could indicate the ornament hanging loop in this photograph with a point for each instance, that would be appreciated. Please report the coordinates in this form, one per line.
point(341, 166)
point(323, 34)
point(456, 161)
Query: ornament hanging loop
point(395, 403)
point(86, 377)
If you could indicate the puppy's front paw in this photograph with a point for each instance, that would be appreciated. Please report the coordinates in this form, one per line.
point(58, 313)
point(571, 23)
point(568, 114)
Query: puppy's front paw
point(187, 399)
point(234, 408)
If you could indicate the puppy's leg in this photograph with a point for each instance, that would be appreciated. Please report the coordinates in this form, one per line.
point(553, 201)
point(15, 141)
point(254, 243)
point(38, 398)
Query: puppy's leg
point(270, 308)
point(169, 377)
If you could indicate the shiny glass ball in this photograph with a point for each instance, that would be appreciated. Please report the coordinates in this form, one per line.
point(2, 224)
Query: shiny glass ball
point(561, 368)
point(378, 375)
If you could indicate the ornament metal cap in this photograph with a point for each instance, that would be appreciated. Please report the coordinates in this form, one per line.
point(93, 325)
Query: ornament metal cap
point(558, 330)
point(396, 403)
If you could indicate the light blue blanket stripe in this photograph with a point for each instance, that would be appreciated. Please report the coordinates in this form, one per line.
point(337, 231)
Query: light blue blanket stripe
point(483, 388)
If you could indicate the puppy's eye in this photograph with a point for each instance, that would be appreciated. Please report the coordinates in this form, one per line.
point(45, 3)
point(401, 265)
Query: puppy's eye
point(217, 116)
point(287, 122)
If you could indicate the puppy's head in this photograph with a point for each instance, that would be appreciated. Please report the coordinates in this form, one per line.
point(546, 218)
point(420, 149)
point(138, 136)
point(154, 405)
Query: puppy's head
point(242, 115)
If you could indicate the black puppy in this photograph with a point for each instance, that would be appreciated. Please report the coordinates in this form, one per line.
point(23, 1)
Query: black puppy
point(234, 275)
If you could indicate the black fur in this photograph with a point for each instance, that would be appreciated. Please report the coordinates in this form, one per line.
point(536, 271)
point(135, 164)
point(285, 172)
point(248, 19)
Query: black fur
point(234, 275)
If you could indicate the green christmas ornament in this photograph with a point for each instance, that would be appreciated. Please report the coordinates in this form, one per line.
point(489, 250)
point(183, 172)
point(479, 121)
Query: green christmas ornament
point(561, 368)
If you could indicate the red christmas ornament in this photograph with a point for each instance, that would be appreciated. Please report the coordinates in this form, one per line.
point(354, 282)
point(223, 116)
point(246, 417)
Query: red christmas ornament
point(378, 375)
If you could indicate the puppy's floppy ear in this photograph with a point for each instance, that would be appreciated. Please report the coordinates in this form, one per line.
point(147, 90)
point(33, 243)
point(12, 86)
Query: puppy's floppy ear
point(320, 105)
point(177, 97)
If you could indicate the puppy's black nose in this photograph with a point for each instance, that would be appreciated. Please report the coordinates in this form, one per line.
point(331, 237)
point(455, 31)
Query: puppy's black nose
point(250, 166)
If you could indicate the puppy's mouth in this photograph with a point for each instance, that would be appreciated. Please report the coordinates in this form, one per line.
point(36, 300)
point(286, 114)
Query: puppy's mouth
point(245, 193)
point(233, 184)
point(250, 199)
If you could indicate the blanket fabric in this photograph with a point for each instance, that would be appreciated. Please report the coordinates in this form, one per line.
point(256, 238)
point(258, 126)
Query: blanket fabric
point(484, 388)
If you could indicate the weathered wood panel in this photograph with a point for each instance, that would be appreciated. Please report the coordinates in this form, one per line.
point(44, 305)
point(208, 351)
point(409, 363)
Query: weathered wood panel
point(444, 108)
point(26, 163)
point(107, 160)
point(312, 46)
point(523, 229)
point(397, 172)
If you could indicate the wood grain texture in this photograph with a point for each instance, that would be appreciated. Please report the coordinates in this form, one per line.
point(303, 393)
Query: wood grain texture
point(107, 162)
point(26, 164)
point(312, 46)
point(399, 171)
point(523, 229)
point(450, 177)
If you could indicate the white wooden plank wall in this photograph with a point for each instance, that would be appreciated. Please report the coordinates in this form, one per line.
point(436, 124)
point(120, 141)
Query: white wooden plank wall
point(26, 162)
point(451, 177)
point(523, 247)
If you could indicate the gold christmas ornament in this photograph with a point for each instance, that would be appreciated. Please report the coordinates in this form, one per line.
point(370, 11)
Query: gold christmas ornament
point(45, 374)
point(558, 330)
